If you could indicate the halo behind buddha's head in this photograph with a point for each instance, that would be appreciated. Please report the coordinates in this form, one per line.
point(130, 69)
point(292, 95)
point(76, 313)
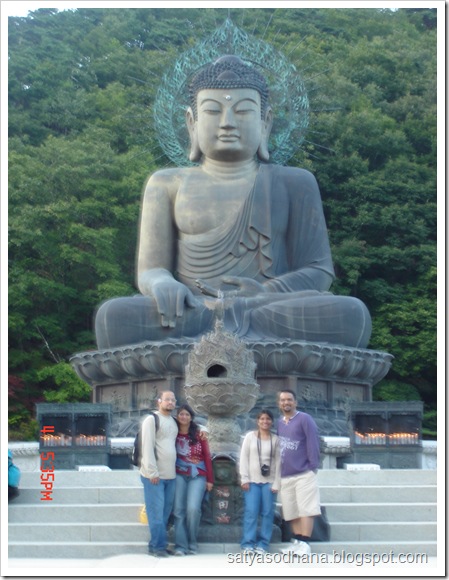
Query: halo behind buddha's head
point(258, 63)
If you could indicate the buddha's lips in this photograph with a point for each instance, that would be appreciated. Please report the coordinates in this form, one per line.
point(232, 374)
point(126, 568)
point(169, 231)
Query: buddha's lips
point(228, 137)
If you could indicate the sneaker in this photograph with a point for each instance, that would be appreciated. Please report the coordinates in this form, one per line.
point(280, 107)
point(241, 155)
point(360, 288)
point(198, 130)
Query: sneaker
point(192, 552)
point(247, 550)
point(260, 550)
point(179, 553)
point(302, 548)
point(158, 553)
point(296, 547)
point(290, 547)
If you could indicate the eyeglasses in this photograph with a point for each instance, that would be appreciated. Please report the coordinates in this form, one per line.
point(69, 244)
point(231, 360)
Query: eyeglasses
point(169, 400)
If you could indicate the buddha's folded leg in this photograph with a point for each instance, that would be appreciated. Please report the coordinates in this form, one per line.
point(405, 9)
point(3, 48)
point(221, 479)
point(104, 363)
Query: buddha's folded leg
point(131, 320)
point(320, 318)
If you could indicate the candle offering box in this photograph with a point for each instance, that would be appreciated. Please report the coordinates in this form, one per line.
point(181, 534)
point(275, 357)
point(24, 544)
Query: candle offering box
point(76, 433)
point(387, 433)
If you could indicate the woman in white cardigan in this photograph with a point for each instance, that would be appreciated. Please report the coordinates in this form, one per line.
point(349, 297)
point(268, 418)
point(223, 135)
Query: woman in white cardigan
point(260, 480)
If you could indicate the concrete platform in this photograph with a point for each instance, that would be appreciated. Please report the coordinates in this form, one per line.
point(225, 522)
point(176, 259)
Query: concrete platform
point(108, 549)
point(218, 564)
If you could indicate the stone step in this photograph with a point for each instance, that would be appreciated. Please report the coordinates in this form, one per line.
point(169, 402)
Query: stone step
point(381, 512)
point(375, 493)
point(341, 493)
point(79, 532)
point(137, 532)
point(382, 477)
point(383, 531)
point(95, 514)
point(87, 495)
point(46, 512)
point(107, 549)
point(334, 477)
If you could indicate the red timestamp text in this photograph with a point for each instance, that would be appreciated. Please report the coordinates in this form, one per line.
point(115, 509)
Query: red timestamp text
point(47, 468)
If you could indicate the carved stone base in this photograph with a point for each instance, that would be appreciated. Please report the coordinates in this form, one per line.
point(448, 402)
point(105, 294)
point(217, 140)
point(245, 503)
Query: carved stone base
point(224, 434)
point(157, 359)
point(326, 379)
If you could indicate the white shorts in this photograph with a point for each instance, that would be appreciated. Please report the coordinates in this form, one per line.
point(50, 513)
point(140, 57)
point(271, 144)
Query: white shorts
point(300, 496)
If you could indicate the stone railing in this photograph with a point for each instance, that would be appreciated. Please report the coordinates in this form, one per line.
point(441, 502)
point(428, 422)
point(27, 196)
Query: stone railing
point(26, 454)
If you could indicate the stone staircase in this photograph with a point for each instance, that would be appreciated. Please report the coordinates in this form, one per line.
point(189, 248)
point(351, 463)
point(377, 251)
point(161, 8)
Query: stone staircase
point(96, 514)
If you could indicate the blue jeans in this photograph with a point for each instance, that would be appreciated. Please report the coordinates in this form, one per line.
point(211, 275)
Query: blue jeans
point(259, 500)
point(159, 504)
point(187, 511)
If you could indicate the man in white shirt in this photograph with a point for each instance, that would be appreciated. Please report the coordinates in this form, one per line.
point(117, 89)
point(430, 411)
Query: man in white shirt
point(157, 470)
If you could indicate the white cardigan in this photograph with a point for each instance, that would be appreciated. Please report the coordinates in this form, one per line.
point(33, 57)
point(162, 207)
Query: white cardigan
point(249, 460)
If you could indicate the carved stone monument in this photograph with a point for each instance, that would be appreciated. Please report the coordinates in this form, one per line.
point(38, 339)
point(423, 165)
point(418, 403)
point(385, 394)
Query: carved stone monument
point(234, 220)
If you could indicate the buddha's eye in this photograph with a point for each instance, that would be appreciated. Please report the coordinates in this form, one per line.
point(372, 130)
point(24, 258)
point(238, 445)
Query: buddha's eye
point(210, 108)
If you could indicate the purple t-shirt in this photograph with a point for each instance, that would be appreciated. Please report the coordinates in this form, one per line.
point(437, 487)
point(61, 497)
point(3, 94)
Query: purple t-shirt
point(299, 444)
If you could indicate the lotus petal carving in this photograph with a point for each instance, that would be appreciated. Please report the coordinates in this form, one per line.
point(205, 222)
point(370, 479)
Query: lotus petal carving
point(146, 360)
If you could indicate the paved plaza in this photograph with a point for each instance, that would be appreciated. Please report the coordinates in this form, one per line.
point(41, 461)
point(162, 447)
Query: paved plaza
point(210, 565)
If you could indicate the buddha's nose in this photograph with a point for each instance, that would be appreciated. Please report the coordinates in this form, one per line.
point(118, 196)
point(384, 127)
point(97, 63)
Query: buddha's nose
point(228, 119)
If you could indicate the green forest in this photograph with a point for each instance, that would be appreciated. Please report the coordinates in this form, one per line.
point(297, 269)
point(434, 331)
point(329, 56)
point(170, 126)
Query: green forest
point(82, 142)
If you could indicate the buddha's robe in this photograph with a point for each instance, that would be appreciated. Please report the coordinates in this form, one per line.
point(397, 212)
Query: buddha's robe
point(279, 239)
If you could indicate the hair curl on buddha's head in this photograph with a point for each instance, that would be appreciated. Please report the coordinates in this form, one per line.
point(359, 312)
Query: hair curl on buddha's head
point(229, 72)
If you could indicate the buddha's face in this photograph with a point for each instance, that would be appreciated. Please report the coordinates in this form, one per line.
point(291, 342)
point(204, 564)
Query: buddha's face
point(229, 125)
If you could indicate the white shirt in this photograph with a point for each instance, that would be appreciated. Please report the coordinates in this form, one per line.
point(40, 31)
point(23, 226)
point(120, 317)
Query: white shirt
point(164, 442)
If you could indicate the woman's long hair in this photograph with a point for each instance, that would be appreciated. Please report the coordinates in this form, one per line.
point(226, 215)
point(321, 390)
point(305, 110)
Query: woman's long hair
point(193, 427)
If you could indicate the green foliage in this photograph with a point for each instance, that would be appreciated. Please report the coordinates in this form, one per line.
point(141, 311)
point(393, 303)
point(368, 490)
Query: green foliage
point(81, 144)
point(67, 386)
point(405, 324)
point(390, 390)
point(22, 397)
point(23, 431)
point(429, 429)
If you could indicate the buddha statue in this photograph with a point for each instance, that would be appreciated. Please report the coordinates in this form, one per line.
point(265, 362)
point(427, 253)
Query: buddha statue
point(234, 225)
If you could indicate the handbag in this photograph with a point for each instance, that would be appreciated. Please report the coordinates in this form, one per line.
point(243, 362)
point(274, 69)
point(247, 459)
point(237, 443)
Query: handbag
point(143, 518)
point(321, 527)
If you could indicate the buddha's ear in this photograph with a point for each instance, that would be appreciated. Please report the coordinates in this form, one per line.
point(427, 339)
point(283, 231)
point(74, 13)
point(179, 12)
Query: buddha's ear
point(267, 124)
point(195, 151)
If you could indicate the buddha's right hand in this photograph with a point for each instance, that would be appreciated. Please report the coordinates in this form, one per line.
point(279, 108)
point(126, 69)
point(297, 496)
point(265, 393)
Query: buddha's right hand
point(171, 298)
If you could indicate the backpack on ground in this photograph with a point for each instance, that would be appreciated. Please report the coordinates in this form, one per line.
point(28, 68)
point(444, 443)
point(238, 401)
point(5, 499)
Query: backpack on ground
point(136, 457)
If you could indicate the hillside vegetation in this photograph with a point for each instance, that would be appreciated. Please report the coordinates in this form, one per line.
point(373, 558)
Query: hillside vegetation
point(82, 143)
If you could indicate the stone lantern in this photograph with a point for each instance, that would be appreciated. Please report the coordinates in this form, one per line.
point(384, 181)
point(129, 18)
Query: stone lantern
point(220, 384)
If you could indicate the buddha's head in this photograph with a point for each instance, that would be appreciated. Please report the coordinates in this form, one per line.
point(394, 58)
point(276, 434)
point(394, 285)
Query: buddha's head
point(229, 118)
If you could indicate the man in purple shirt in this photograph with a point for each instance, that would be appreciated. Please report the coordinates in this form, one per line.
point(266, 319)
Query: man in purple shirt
point(300, 459)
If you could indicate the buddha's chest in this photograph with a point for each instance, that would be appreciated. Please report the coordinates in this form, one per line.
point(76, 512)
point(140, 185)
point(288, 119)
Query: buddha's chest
point(201, 206)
